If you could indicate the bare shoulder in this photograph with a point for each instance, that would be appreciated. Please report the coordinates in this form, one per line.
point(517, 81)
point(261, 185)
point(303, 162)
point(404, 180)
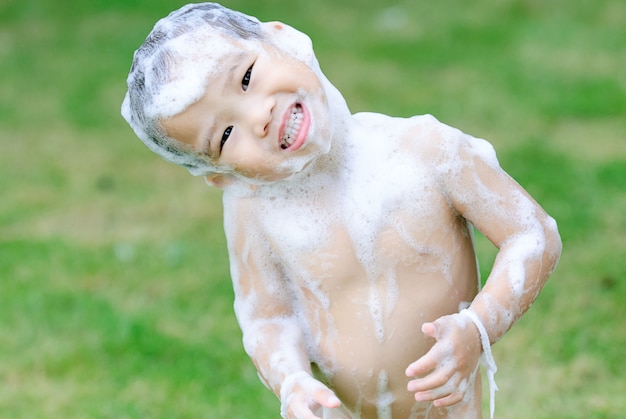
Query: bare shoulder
point(431, 141)
point(449, 147)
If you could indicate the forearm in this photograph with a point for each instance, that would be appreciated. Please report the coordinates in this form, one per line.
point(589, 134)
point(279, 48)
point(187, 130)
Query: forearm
point(277, 348)
point(521, 269)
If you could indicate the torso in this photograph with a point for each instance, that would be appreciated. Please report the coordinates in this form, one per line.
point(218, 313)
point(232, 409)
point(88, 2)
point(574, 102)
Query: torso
point(372, 251)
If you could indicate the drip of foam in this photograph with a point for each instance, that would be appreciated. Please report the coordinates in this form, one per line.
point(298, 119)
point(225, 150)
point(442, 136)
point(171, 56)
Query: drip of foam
point(384, 398)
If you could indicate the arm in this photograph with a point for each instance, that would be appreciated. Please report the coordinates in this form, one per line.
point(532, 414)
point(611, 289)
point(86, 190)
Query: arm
point(269, 322)
point(527, 238)
point(529, 246)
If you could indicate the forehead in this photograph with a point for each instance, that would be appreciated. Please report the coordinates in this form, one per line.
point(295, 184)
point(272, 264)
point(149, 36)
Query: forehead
point(204, 53)
point(231, 51)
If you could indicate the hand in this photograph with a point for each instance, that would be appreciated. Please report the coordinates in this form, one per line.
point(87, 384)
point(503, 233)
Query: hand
point(446, 371)
point(301, 395)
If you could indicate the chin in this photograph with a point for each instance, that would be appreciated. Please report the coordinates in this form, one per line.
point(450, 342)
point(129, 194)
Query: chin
point(294, 166)
point(298, 163)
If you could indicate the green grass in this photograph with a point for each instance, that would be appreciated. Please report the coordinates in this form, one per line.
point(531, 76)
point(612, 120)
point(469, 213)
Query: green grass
point(115, 298)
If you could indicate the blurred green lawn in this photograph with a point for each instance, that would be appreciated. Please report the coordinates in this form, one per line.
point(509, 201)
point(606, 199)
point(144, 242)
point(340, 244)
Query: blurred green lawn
point(115, 300)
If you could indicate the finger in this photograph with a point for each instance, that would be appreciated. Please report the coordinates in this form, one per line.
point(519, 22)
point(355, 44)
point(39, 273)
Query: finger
point(301, 410)
point(301, 407)
point(425, 396)
point(427, 363)
point(429, 382)
point(326, 398)
point(430, 329)
point(437, 393)
point(450, 399)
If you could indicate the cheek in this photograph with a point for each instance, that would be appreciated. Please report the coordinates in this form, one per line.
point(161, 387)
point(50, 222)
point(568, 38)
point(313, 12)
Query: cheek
point(321, 124)
point(312, 83)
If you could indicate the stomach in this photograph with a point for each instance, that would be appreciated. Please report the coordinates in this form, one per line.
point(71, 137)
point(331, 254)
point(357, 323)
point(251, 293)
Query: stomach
point(362, 313)
point(362, 343)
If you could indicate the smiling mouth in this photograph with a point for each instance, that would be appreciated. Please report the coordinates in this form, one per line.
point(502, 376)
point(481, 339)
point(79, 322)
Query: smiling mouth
point(292, 128)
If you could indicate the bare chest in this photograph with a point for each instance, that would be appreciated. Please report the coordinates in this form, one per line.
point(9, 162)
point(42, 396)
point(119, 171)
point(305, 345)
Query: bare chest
point(376, 223)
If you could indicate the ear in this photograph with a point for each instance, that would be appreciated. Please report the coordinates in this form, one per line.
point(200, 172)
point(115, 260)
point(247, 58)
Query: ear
point(275, 25)
point(290, 40)
point(219, 180)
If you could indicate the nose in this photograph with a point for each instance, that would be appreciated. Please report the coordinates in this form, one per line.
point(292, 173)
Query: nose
point(260, 113)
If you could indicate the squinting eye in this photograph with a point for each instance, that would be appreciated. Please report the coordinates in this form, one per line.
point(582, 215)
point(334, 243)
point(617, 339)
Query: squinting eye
point(246, 79)
point(225, 136)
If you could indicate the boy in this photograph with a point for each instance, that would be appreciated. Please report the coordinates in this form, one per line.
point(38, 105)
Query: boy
point(346, 233)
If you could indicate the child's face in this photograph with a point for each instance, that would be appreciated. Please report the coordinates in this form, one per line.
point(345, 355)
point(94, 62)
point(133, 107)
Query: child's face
point(264, 115)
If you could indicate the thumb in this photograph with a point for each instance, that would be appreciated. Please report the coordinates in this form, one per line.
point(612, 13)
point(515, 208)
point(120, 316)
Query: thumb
point(325, 397)
point(431, 330)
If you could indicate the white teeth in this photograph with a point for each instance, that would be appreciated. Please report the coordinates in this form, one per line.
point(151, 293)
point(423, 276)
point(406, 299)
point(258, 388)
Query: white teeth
point(293, 127)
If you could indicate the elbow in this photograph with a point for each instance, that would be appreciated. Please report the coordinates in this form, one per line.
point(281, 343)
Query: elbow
point(554, 244)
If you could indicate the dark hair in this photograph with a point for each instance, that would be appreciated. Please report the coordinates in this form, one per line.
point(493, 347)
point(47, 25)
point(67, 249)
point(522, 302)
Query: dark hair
point(151, 73)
